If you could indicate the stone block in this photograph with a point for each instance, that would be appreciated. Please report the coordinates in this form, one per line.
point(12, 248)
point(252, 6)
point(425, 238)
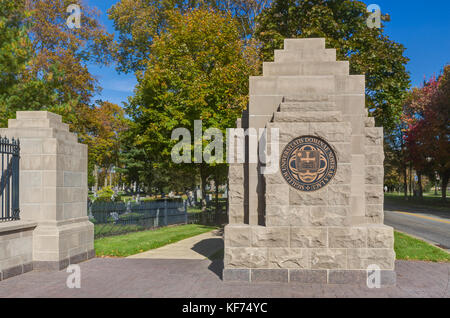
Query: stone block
point(289, 258)
point(329, 216)
point(318, 198)
point(374, 194)
point(245, 257)
point(331, 132)
point(308, 107)
point(238, 236)
point(236, 275)
point(303, 276)
point(284, 56)
point(307, 117)
point(363, 258)
point(302, 44)
point(270, 275)
point(374, 136)
point(380, 236)
point(277, 194)
point(308, 237)
point(338, 195)
point(329, 259)
point(347, 237)
point(375, 175)
point(374, 155)
point(347, 277)
point(270, 236)
point(236, 194)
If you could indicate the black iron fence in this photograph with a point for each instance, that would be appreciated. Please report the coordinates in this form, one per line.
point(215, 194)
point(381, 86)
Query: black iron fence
point(9, 179)
point(116, 218)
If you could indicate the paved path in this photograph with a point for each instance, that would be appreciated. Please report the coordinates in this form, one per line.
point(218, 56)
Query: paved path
point(103, 277)
point(198, 247)
point(431, 225)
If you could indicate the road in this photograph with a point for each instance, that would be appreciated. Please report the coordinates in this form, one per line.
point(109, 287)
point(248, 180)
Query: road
point(428, 224)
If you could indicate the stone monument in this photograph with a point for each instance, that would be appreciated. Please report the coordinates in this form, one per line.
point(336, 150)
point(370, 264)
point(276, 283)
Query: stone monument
point(319, 219)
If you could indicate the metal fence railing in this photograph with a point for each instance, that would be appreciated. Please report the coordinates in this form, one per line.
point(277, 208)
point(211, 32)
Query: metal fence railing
point(116, 218)
point(9, 179)
point(111, 218)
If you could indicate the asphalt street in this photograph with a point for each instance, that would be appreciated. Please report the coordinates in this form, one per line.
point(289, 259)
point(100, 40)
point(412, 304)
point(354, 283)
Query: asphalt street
point(428, 224)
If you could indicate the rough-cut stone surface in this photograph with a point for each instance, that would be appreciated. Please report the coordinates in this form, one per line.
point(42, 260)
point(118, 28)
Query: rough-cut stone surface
point(329, 216)
point(318, 198)
point(374, 175)
point(245, 257)
point(329, 259)
point(338, 195)
point(238, 236)
point(308, 237)
point(287, 215)
point(289, 258)
point(236, 194)
point(347, 237)
point(363, 258)
point(270, 236)
point(380, 237)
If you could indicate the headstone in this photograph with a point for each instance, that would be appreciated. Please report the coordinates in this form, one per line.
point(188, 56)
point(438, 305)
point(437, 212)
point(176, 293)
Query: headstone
point(319, 219)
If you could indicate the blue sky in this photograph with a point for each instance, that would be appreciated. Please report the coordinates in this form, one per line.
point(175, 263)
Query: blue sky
point(423, 27)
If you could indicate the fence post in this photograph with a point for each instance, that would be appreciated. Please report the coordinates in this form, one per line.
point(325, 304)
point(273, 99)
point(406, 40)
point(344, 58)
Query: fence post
point(165, 212)
point(157, 218)
point(185, 212)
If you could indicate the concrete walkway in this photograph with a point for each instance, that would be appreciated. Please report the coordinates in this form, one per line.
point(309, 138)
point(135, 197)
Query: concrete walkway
point(123, 277)
point(198, 247)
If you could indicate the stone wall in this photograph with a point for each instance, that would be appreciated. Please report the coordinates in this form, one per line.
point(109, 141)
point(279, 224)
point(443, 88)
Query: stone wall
point(16, 248)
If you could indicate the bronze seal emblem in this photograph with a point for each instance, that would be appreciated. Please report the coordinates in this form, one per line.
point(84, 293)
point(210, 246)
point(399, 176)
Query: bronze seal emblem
point(308, 163)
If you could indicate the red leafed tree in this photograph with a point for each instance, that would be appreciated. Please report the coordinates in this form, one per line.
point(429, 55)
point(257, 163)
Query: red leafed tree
point(428, 135)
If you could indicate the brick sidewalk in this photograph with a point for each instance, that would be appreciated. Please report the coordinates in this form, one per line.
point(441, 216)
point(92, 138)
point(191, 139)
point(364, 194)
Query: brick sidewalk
point(201, 278)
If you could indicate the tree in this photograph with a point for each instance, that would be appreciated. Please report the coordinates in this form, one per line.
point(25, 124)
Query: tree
point(139, 22)
point(56, 77)
point(197, 71)
point(343, 24)
point(14, 43)
point(428, 117)
point(104, 141)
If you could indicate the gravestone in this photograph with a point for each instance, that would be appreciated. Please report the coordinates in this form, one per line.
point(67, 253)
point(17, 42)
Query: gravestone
point(319, 219)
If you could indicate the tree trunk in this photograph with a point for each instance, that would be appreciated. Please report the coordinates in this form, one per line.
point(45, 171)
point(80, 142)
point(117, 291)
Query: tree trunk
point(216, 185)
point(419, 180)
point(444, 187)
point(203, 177)
point(410, 181)
point(405, 182)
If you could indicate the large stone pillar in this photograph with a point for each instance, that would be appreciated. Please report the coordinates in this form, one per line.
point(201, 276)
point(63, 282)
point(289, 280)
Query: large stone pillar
point(323, 210)
point(53, 189)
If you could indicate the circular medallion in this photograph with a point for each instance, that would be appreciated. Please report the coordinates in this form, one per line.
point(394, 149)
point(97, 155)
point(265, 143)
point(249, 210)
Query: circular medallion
point(308, 163)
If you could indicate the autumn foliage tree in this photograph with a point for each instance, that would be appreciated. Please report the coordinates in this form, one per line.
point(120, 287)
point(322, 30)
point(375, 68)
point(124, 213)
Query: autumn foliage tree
point(428, 134)
point(55, 76)
point(197, 70)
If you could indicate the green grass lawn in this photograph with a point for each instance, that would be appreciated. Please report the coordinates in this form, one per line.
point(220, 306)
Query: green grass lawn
point(134, 243)
point(409, 248)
